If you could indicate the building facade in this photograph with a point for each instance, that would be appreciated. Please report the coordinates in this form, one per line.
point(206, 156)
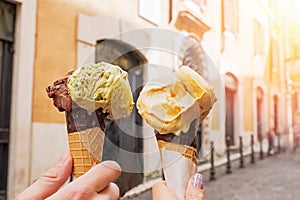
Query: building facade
point(292, 60)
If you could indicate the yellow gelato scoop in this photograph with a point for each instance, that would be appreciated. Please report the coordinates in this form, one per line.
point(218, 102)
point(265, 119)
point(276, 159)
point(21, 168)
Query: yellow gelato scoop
point(101, 85)
point(171, 103)
point(201, 90)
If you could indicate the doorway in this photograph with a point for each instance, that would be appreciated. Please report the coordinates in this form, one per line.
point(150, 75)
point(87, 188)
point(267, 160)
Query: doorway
point(125, 133)
point(7, 23)
point(259, 107)
point(275, 99)
point(231, 84)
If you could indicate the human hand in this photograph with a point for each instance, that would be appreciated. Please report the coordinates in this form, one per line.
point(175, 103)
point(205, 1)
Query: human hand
point(95, 184)
point(194, 190)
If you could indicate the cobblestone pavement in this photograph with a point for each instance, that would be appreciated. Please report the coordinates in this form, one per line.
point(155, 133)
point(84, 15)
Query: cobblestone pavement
point(275, 177)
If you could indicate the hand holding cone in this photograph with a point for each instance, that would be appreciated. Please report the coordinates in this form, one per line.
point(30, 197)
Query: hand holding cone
point(174, 106)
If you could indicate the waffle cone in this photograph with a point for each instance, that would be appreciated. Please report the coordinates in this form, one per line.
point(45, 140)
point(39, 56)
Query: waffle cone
point(86, 149)
point(185, 150)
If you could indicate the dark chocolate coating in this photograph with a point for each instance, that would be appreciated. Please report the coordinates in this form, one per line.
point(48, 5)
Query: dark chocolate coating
point(188, 138)
point(78, 119)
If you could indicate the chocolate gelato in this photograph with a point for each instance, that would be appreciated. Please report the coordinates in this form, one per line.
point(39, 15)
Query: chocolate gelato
point(58, 91)
point(77, 118)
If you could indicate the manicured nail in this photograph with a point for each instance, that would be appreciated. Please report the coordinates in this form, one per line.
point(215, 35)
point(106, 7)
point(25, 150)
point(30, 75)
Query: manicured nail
point(198, 181)
point(63, 158)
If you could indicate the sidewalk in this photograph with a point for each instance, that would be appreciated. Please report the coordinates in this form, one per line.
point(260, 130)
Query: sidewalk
point(143, 191)
point(273, 178)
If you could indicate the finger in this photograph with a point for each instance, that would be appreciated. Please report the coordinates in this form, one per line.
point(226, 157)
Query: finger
point(50, 181)
point(111, 192)
point(100, 175)
point(161, 191)
point(88, 185)
point(195, 188)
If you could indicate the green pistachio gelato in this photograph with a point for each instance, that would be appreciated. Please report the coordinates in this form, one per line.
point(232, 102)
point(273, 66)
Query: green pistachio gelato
point(101, 85)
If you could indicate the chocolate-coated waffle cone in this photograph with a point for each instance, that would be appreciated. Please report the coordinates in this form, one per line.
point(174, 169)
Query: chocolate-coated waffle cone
point(185, 150)
point(86, 148)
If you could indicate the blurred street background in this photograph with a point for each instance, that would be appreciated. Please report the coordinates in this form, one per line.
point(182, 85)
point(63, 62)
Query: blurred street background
point(248, 50)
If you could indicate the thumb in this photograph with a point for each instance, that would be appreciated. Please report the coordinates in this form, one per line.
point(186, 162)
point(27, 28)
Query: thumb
point(160, 191)
point(50, 181)
point(195, 188)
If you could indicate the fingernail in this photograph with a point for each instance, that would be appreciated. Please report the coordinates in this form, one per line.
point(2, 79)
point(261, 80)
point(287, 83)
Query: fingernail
point(64, 158)
point(198, 181)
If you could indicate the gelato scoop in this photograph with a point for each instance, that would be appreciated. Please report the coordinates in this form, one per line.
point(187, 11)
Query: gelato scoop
point(101, 85)
point(58, 91)
point(201, 90)
point(87, 96)
point(171, 103)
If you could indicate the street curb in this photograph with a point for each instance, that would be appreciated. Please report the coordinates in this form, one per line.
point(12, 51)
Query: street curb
point(201, 168)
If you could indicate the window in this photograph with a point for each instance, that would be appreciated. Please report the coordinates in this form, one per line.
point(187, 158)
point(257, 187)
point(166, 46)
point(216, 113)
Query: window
point(150, 10)
point(201, 3)
point(295, 50)
point(197, 7)
point(259, 40)
point(274, 61)
point(230, 16)
point(274, 55)
point(7, 17)
point(293, 40)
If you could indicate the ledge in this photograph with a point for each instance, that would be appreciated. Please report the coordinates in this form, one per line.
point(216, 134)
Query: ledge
point(189, 22)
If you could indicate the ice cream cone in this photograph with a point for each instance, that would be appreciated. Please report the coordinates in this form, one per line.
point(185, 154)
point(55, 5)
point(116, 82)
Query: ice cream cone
point(170, 145)
point(174, 106)
point(86, 149)
point(188, 152)
point(86, 138)
point(88, 96)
